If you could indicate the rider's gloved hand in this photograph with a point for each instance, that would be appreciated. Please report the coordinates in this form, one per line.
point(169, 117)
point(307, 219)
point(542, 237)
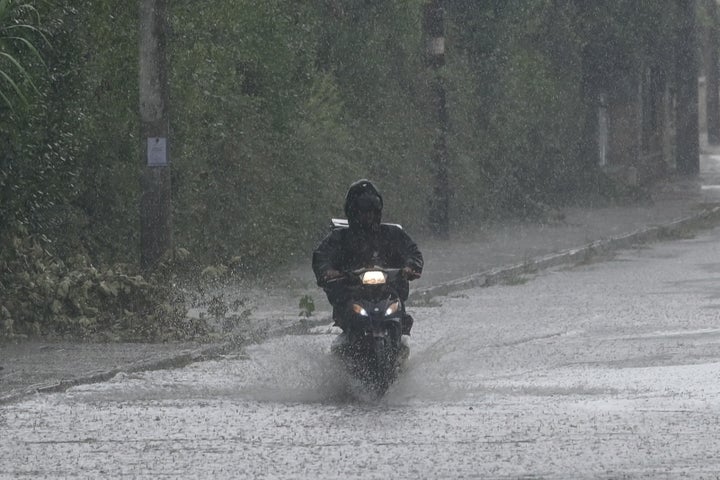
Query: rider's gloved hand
point(410, 273)
point(331, 274)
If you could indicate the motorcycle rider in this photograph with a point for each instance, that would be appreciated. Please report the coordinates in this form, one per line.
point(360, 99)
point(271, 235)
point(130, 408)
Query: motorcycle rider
point(365, 243)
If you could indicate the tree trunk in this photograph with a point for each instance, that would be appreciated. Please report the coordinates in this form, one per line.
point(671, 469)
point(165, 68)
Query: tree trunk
point(590, 147)
point(155, 204)
point(712, 73)
point(686, 62)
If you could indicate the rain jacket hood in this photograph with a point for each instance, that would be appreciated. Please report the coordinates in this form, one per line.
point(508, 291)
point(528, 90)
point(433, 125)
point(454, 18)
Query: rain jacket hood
point(362, 195)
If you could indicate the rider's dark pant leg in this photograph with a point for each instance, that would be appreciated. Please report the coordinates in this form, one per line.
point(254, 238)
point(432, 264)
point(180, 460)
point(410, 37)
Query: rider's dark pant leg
point(407, 323)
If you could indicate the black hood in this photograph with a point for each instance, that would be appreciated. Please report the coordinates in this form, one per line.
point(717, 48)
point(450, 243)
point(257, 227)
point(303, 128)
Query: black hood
point(361, 193)
point(362, 196)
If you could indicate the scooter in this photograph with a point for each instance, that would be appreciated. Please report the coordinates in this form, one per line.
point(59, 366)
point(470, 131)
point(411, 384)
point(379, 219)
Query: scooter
point(374, 349)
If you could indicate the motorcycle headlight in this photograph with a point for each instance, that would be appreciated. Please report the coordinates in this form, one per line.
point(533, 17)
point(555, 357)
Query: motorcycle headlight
point(392, 308)
point(373, 277)
point(359, 310)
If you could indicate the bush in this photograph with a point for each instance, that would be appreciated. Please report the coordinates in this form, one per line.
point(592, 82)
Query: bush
point(43, 295)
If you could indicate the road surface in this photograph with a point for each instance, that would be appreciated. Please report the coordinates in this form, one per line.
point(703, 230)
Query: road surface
point(605, 370)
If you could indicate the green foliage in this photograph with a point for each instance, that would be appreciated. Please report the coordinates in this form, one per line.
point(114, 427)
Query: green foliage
point(515, 134)
point(43, 295)
point(276, 107)
point(69, 159)
point(95, 92)
point(267, 142)
point(19, 31)
point(524, 78)
point(307, 306)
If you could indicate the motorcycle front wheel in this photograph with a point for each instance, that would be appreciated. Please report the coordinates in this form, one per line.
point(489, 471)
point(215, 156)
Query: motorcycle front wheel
point(383, 365)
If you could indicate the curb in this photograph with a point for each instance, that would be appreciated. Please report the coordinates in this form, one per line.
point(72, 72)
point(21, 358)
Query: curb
point(570, 256)
point(482, 279)
point(175, 361)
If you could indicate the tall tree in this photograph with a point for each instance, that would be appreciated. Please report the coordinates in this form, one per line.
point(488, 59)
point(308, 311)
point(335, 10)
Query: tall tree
point(686, 64)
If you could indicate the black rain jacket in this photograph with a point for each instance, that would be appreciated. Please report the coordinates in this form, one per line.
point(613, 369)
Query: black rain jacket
point(353, 248)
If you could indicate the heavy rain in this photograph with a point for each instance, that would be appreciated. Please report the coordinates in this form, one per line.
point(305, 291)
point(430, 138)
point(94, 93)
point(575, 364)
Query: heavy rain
point(211, 213)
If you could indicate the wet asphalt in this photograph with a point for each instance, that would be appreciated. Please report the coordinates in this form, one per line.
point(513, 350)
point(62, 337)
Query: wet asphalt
point(477, 256)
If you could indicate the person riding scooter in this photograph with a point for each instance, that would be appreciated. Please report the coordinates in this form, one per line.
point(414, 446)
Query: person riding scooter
point(366, 242)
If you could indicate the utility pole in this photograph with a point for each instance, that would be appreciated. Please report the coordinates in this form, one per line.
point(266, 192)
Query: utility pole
point(434, 30)
point(686, 67)
point(155, 203)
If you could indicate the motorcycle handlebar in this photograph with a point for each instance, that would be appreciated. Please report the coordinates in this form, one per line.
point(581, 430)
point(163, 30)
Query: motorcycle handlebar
point(353, 277)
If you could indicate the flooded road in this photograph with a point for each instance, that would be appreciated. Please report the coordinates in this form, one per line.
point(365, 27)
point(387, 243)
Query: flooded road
point(603, 371)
